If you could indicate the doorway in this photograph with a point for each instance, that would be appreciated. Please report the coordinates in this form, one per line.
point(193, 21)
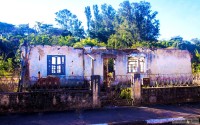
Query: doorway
point(108, 71)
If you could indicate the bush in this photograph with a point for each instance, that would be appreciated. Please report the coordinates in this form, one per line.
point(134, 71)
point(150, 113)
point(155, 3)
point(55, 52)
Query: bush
point(125, 93)
point(6, 67)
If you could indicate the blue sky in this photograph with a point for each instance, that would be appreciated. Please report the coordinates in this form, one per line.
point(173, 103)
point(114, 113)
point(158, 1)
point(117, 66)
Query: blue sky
point(177, 17)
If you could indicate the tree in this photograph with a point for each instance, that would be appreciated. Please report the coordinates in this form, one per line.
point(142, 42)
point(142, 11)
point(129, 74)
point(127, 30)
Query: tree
point(95, 31)
point(102, 24)
point(23, 30)
point(177, 38)
point(9, 50)
point(122, 38)
point(196, 41)
point(78, 30)
point(125, 12)
point(145, 26)
point(88, 16)
point(6, 27)
point(69, 22)
point(43, 28)
point(146, 22)
point(108, 17)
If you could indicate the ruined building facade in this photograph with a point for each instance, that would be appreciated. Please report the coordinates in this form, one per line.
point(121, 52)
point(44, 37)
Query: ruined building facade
point(112, 65)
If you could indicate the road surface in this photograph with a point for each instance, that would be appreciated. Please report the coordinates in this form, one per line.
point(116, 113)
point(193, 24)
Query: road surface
point(112, 115)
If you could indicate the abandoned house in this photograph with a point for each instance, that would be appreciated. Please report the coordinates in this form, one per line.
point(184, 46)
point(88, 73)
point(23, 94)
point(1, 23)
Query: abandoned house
point(114, 66)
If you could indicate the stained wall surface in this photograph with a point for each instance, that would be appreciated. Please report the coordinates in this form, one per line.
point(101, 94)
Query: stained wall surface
point(78, 62)
point(38, 60)
point(170, 61)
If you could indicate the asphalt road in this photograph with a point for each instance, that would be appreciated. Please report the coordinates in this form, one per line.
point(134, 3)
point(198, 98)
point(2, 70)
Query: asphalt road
point(103, 115)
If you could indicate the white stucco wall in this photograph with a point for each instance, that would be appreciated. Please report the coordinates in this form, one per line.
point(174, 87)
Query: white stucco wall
point(78, 63)
point(87, 66)
point(121, 65)
point(73, 60)
point(170, 61)
point(98, 65)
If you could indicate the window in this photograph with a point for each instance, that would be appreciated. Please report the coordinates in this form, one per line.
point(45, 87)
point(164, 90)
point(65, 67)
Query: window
point(132, 64)
point(135, 64)
point(141, 64)
point(55, 65)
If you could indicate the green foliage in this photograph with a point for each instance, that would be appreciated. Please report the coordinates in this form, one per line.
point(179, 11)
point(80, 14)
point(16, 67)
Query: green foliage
point(133, 25)
point(122, 38)
point(195, 67)
point(9, 49)
point(52, 40)
point(39, 39)
point(70, 22)
point(67, 41)
point(197, 54)
point(6, 66)
point(88, 42)
point(142, 20)
point(102, 25)
point(198, 68)
point(196, 62)
point(88, 16)
point(196, 41)
point(5, 27)
point(23, 29)
point(140, 44)
point(125, 93)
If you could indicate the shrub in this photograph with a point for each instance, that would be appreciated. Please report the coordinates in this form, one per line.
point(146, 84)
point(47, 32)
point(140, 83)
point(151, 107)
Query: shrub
point(125, 93)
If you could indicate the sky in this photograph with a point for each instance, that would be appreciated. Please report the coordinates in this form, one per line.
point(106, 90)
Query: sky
point(177, 17)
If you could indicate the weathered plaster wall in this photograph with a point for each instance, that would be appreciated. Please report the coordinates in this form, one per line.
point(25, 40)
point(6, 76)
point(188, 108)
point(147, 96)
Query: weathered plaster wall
point(98, 65)
point(78, 62)
point(87, 66)
point(121, 64)
point(169, 95)
point(19, 102)
point(169, 61)
point(38, 60)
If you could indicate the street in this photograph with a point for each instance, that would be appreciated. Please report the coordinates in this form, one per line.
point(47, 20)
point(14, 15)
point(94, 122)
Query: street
point(105, 115)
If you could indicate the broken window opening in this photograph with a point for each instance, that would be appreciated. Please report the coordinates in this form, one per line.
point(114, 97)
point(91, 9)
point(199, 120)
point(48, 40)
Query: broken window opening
point(142, 64)
point(135, 64)
point(55, 65)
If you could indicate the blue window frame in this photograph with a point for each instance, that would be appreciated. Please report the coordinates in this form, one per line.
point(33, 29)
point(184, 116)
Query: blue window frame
point(55, 65)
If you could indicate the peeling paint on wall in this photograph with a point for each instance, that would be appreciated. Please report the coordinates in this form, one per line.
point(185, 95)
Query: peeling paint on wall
point(170, 62)
point(41, 53)
point(78, 63)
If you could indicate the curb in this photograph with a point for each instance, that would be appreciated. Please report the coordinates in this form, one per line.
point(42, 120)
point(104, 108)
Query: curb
point(174, 121)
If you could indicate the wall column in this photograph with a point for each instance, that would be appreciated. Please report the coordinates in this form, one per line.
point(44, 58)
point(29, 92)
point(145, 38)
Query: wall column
point(137, 90)
point(95, 80)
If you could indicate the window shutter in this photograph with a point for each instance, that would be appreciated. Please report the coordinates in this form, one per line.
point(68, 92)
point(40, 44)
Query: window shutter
point(49, 65)
point(63, 66)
